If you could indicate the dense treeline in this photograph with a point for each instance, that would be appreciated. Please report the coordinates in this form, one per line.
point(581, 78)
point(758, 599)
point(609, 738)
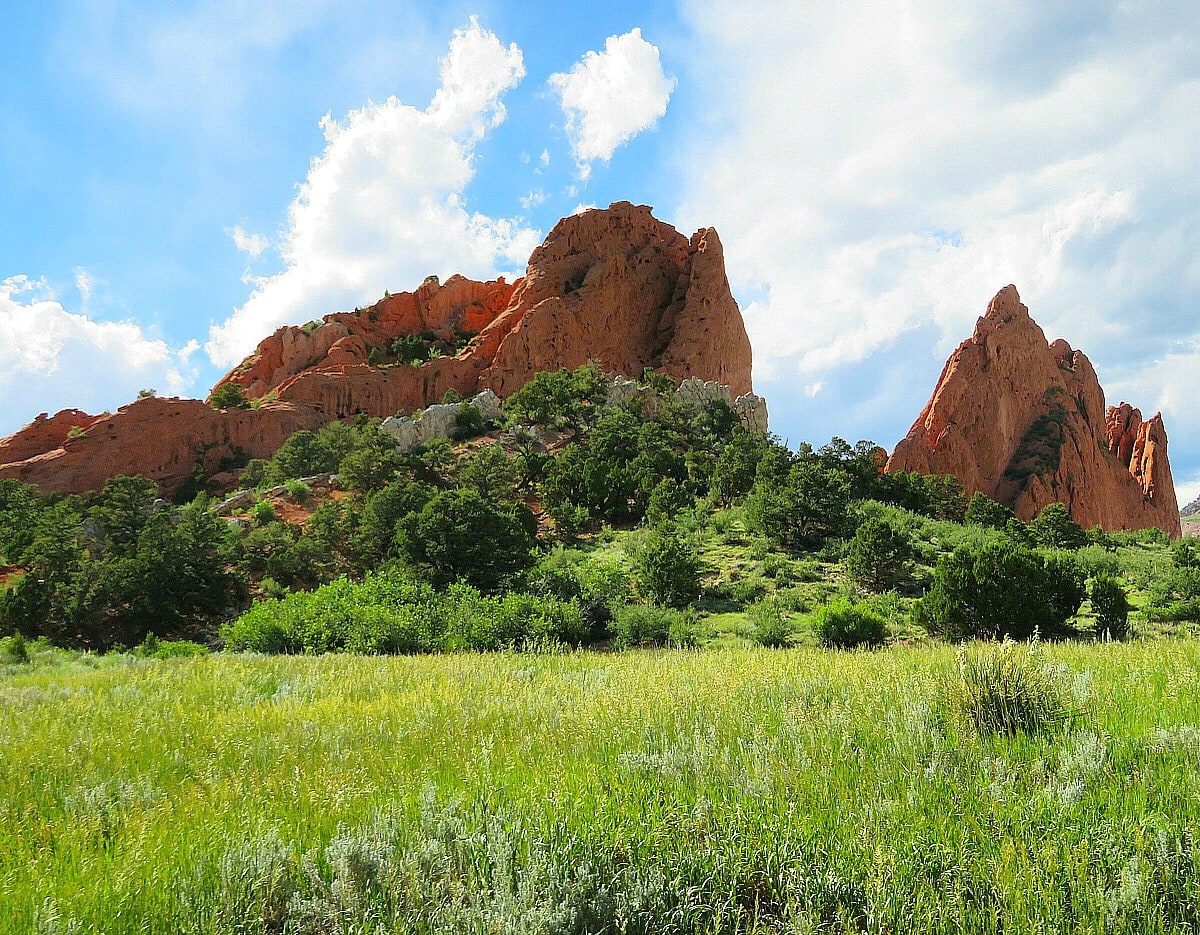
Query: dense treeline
point(112, 567)
point(508, 540)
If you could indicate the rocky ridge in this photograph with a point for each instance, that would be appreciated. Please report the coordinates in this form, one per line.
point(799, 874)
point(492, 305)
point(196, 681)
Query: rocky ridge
point(615, 286)
point(693, 395)
point(1024, 421)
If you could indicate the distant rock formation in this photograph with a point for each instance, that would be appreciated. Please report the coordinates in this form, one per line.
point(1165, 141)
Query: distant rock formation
point(1024, 421)
point(615, 286)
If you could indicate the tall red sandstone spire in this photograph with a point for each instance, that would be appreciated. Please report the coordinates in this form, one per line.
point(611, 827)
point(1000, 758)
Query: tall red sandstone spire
point(1024, 421)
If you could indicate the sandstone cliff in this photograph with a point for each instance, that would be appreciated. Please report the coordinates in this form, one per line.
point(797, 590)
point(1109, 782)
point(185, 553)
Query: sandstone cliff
point(1024, 421)
point(615, 286)
point(625, 289)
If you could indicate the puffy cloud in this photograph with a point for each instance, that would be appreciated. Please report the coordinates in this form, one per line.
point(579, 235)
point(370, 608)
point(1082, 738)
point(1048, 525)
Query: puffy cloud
point(883, 175)
point(383, 206)
point(610, 97)
point(253, 244)
point(535, 199)
point(52, 359)
point(85, 284)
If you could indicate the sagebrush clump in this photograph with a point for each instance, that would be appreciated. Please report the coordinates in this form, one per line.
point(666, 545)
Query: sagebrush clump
point(1007, 689)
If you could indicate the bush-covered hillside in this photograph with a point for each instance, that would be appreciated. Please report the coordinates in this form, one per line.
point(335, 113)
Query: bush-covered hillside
point(645, 521)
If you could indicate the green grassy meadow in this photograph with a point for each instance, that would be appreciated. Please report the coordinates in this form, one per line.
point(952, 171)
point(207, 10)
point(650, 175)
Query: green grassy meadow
point(719, 790)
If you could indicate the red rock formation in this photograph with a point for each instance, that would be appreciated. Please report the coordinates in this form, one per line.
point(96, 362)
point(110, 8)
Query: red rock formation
point(1024, 422)
point(44, 434)
point(343, 338)
point(160, 438)
point(627, 290)
point(615, 286)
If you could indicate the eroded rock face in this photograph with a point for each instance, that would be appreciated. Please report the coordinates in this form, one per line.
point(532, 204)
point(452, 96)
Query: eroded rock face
point(614, 286)
point(162, 439)
point(626, 290)
point(1024, 421)
point(45, 433)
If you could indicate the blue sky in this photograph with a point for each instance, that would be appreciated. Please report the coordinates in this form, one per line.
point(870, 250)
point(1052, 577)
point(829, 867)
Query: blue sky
point(180, 179)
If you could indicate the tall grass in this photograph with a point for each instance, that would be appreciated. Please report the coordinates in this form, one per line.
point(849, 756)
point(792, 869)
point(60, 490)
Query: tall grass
point(655, 791)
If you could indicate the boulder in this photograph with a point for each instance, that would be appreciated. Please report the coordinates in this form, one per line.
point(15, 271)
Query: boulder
point(437, 421)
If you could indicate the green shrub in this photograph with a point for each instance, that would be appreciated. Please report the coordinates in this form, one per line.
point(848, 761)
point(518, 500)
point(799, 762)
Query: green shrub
point(1054, 528)
point(778, 567)
point(298, 490)
point(262, 513)
point(268, 587)
point(668, 500)
point(996, 590)
point(272, 626)
point(1185, 554)
point(229, 396)
point(459, 535)
point(982, 510)
point(1096, 560)
point(879, 556)
point(936, 496)
point(255, 472)
point(810, 505)
point(598, 585)
point(1065, 584)
point(1174, 594)
point(1111, 607)
point(380, 630)
point(154, 648)
point(1007, 690)
point(468, 421)
point(667, 569)
point(747, 591)
point(564, 399)
point(843, 624)
point(491, 473)
point(770, 627)
point(1096, 536)
point(413, 349)
point(647, 625)
point(389, 613)
point(368, 468)
point(14, 650)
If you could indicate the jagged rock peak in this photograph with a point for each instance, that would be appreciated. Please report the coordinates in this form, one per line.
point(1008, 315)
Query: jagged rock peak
point(1007, 305)
point(1023, 420)
point(615, 286)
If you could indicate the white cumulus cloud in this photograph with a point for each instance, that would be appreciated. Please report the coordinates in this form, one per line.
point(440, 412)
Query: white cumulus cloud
point(535, 199)
point(884, 171)
point(610, 97)
point(384, 205)
point(52, 359)
point(253, 244)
